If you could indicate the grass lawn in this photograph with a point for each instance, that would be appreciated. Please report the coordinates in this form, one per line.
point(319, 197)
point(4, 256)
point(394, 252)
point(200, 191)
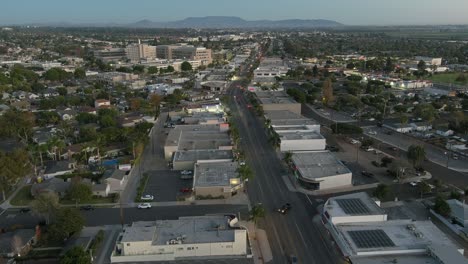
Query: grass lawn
point(446, 78)
point(23, 197)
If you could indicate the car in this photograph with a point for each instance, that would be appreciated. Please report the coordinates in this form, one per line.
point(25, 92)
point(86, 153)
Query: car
point(186, 190)
point(389, 133)
point(293, 259)
point(372, 133)
point(413, 184)
point(393, 148)
point(455, 156)
point(186, 176)
point(367, 174)
point(25, 210)
point(147, 197)
point(144, 206)
point(87, 208)
point(354, 142)
point(332, 148)
point(242, 163)
point(371, 119)
point(284, 209)
point(186, 172)
point(369, 149)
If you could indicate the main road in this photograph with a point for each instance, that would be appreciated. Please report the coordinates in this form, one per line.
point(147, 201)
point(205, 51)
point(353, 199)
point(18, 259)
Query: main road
point(295, 233)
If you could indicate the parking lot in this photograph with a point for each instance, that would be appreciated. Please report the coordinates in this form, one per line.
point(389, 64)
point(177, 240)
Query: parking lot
point(165, 185)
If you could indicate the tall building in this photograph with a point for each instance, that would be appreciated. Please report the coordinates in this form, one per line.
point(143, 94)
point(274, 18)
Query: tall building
point(184, 52)
point(139, 51)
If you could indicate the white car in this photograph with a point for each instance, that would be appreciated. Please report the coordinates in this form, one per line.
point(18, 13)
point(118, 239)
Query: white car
point(372, 133)
point(144, 206)
point(186, 172)
point(369, 149)
point(354, 142)
point(414, 184)
point(147, 197)
point(242, 163)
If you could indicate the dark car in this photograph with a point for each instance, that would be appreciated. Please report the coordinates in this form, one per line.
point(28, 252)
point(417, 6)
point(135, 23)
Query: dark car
point(293, 259)
point(87, 207)
point(284, 209)
point(332, 148)
point(367, 174)
point(25, 210)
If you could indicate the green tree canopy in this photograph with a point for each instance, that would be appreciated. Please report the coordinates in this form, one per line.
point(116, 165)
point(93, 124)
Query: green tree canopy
point(153, 70)
point(381, 191)
point(416, 154)
point(186, 66)
point(257, 212)
point(45, 205)
point(80, 192)
point(67, 222)
point(76, 255)
point(441, 206)
point(79, 73)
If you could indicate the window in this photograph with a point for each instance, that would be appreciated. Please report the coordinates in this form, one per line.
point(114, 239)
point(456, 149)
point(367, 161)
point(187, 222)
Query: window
point(229, 246)
point(128, 244)
point(180, 249)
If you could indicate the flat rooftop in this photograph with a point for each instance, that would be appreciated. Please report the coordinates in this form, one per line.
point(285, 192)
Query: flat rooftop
point(205, 154)
point(318, 164)
point(353, 204)
point(399, 259)
point(293, 122)
point(393, 235)
point(274, 97)
point(190, 230)
point(302, 135)
point(281, 115)
point(183, 133)
point(210, 174)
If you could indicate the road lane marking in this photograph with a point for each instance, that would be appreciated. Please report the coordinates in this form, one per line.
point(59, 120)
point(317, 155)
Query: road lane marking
point(308, 198)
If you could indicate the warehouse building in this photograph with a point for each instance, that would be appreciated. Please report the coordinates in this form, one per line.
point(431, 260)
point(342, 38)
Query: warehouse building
point(277, 100)
point(206, 237)
point(300, 140)
point(186, 159)
point(216, 179)
point(320, 170)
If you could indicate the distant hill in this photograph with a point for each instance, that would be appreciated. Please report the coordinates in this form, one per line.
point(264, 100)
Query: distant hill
point(235, 22)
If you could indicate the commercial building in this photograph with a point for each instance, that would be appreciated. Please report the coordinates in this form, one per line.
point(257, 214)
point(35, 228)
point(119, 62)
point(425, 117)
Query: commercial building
point(200, 237)
point(320, 170)
point(112, 54)
point(114, 77)
point(186, 159)
point(136, 52)
point(301, 140)
point(364, 235)
point(184, 52)
point(284, 120)
point(277, 100)
point(197, 137)
point(216, 179)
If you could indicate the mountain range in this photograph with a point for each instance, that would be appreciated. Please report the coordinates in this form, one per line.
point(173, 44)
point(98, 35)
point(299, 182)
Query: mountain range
point(236, 22)
point(221, 22)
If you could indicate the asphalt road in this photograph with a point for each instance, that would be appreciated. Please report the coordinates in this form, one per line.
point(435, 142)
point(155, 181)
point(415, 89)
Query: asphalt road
point(291, 234)
point(111, 216)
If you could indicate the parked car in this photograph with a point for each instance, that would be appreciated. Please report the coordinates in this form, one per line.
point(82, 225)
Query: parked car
point(332, 148)
point(389, 133)
point(293, 259)
point(413, 184)
point(87, 208)
point(144, 206)
point(186, 172)
point(354, 142)
point(186, 190)
point(147, 197)
point(369, 149)
point(367, 174)
point(186, 176)
point(372, 133)
point(25, 210)
point(242, 163)
point(285, 208)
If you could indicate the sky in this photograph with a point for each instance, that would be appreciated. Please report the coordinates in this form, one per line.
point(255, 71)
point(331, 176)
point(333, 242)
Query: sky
point(349, 12)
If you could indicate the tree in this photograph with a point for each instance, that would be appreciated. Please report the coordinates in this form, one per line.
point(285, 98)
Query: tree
point(315, 71)
point(245, 172)
point(441, 206)
point(389, 66)
point(170, 69)
point(427, 112)
point(15, 123)
point(257, 212)
point(153, 70)
point(45, 205)
point(416, 154)
point(15, 165)
point(424, 188)
point(80, 192)
point(288, 157)
point(76, 255)
point(135, 104)
point(422, 66)
point(138, 69)
point(68, 221)
point(327, 91)
point(79, 73)
point(381, 191)
point(186, 66)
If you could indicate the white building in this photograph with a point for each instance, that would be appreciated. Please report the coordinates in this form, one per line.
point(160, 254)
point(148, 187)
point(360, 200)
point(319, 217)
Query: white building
point(319, 170)
point(364, 235)
point(216, 179)
point(186, 238)
point(301, 141)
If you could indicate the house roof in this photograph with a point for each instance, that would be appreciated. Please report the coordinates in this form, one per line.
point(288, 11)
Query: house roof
point(56, 185)
point(57, 166)
point(114, 174)
point(24, 235)
point(458, 209)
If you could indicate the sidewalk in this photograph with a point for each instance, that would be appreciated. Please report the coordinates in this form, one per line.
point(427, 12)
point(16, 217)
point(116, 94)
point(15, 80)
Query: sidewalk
point(6, 204)
point(259, 244)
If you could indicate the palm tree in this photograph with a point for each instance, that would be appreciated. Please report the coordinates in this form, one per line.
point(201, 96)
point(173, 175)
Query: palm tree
point(245, 172)
point(257, 212)
point(416, 154)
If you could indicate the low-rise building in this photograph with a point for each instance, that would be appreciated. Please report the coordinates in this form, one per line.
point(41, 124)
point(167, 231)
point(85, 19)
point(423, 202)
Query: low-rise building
point(301, 141)
point(320, 170)
point(116, 179)
point(363, 234)
point(277, 100)
point(101, 103)
point(186, 159)
point(186, 238)
point(216, 179)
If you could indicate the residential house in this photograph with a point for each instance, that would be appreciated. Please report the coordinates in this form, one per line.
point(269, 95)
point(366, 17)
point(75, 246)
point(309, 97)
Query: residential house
point(87, 109)
point(67, 114)
point(101, 189)
point(54, 185)
point(421, 126)
point(32, 96)
point(117, 179)
point(444, 132)
point(42, 136)
point(101, 103)
point(49, 92)
point(130, 121)
point(21, 105)
point(59, 167)
point(17, 243)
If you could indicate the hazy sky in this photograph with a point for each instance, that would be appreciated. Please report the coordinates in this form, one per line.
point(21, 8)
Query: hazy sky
point(351, 12)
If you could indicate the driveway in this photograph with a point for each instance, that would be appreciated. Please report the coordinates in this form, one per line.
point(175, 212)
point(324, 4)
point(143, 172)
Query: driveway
point(165, 185)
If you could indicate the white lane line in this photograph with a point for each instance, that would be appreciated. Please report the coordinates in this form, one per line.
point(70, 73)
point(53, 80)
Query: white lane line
point(308, 198)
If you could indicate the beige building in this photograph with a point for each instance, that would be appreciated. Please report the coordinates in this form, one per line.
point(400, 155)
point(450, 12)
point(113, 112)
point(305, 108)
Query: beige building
point(185, 160)
point(139, 51)
point(278, 100)
point(184, 52)
point(186, 238)
point(197, 137)
point(216, 179)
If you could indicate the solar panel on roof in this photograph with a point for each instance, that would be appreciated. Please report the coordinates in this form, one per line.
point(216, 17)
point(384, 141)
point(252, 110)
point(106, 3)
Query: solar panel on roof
point(371, 238)
point(353, 206)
